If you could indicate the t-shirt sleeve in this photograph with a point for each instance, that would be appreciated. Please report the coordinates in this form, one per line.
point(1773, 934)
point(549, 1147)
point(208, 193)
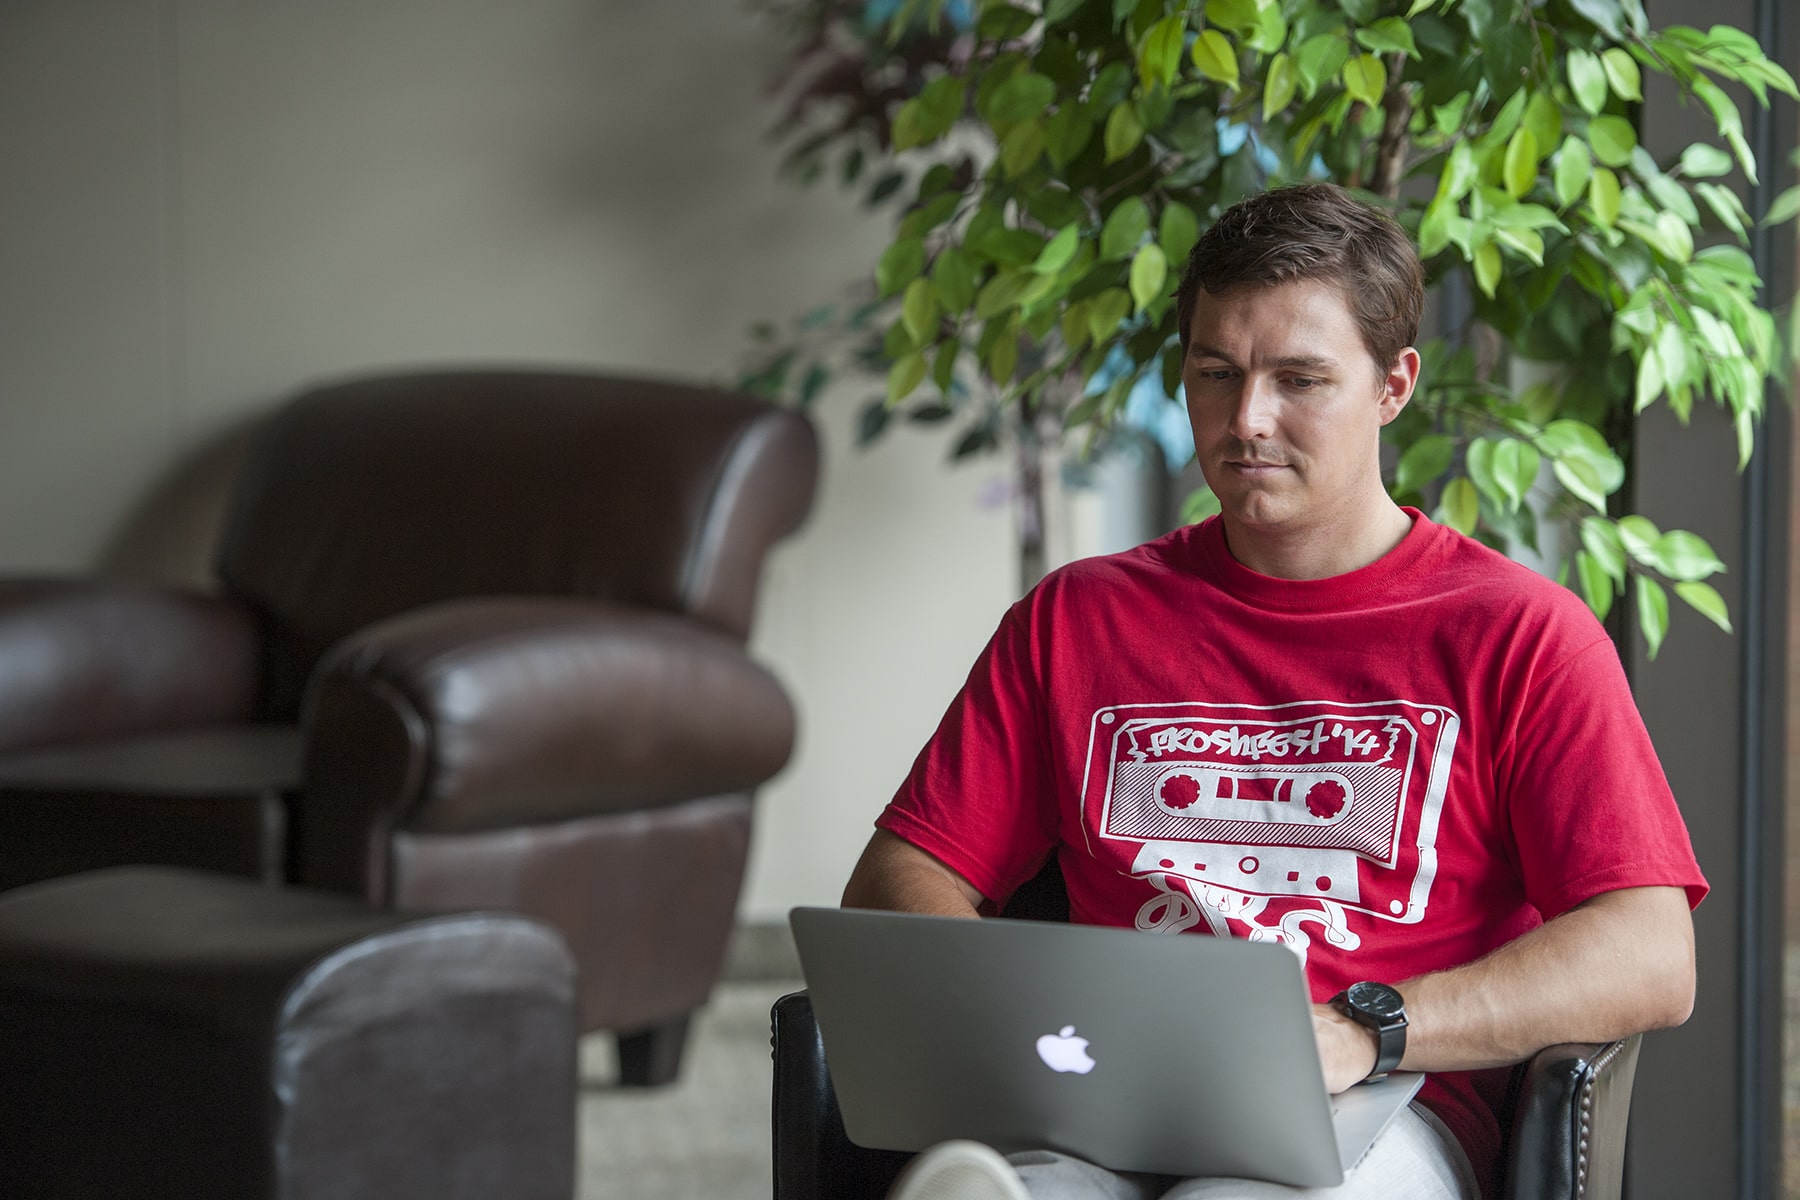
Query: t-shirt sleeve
point(1590, 808)
point(979, 796)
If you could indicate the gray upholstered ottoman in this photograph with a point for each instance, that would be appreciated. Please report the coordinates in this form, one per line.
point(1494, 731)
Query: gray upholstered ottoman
point(167, 1032)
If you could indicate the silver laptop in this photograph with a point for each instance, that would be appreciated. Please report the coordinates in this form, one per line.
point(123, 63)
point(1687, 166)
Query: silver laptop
point(1189, 1056)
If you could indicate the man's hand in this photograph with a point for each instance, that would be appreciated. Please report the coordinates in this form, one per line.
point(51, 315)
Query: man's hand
point(1619, 964)
point(1347, 1050)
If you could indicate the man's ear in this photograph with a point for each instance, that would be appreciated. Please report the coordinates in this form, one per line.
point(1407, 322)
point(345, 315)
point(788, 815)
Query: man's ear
point(1398, 382)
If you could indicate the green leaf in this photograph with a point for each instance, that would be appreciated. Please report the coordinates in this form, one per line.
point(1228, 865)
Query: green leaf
point(943, 367)
point(1001, 293)
point(1390, 35)
point(1638, 534)
point(1124, 130)
point(1703, 160)
point(1652, 612)
point(1317, 59)
point(1459, 174)
point(900, 264)
point(1515, 469)
point(1785, 207)
point(1480, 462)
point(1520, 169)
point(1684, 556)
point(1003, 357)
point(1214, 57)
point(1582, 481)
point(904, 377)
point(919, 310)
point(1160, 59)
point(941, 104)
point(1178, 232)
point(1705, 600)
point(1020, 98)
point(1423, 461)
point(1596, 588)
point(1109, 310)
point(1543, 116)
point(1613, 140)
point(1650, 381)
point(1487, 268)
point(1574, 167)
point(1604, 197)
point(1365, 78)
point(1460, 507)
point(1149, 271)
point(1604, 14)
point(1600, 537)
point(1587, 79)
point(1059, 251)
point(1125, 227)
point(1067, 133)
point(1525, 242)
point(954, 275)
point(1622, 73)
point(1021, 148)
point(1279, 85)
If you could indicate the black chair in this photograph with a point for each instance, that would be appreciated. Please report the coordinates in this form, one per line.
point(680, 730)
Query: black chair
point(1564, 1120)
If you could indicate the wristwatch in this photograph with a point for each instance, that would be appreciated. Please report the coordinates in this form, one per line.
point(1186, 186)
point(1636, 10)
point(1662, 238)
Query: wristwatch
point(1380, 1008)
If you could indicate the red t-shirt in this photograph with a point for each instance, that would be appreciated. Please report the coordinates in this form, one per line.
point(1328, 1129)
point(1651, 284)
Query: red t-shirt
point(1392, 771)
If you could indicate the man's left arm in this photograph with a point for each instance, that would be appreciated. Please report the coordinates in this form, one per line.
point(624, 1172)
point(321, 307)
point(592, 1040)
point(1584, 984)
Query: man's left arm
point(1617, 964)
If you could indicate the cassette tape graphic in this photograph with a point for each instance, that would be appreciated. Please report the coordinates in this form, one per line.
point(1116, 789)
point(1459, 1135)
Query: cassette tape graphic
point(1335, 802)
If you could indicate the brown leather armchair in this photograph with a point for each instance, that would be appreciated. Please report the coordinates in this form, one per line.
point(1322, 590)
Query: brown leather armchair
point(478, 643)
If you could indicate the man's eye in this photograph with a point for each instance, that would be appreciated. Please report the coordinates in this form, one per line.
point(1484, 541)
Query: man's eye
point(1215, 374)
point(1303, 383)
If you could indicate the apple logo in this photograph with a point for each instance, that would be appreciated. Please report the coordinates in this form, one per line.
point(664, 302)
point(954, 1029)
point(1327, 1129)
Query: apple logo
point(1065, 1052)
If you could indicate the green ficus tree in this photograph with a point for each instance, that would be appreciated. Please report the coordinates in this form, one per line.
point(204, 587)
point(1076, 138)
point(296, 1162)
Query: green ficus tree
point(1592, 279)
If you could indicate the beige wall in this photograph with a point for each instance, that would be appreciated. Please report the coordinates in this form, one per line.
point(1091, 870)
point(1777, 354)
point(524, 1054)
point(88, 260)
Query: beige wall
point(209, 202)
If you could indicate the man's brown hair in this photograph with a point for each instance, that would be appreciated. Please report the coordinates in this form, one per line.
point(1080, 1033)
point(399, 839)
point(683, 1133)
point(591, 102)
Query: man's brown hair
point(1314, 231)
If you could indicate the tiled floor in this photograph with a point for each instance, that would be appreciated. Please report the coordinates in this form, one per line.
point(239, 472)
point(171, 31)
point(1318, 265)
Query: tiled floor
point(706, 1137)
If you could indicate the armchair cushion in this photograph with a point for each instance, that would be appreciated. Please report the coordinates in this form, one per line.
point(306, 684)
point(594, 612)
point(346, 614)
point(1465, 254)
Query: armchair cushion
point(534, 710)
point(85, 659)
point(476, 715)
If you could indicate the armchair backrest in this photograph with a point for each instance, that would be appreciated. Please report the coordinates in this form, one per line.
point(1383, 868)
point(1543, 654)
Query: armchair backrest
point(368, 498)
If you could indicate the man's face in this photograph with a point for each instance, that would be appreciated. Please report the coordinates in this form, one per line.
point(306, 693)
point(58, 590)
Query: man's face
point(1287, 406)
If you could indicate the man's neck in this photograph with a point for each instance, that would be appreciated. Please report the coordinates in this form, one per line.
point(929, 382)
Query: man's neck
point(1321, 552)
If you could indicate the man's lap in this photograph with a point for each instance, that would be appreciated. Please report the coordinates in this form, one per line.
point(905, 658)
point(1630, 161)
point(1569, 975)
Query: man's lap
point(1415, 1158)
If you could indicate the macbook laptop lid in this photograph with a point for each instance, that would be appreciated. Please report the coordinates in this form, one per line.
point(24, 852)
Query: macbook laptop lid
point(1190, 1056)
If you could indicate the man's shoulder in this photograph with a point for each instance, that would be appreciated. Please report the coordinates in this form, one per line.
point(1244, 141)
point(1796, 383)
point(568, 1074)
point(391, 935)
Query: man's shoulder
point(1478, 581)
point(1155, 563)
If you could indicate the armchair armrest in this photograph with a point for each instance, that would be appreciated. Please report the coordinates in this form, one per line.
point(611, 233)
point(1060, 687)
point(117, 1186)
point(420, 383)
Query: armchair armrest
point(813, 1158)
point(85, 659)
point(1568, 1134)
point(491, 713)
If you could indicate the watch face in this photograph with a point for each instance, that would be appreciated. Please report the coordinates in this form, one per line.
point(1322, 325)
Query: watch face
point(1376, 999)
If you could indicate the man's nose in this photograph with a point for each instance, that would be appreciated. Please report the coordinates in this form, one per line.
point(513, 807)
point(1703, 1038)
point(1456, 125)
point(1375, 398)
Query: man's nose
point(1253, 410)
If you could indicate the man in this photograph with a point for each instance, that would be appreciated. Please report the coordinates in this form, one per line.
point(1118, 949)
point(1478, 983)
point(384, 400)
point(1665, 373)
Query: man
point(1318, 719)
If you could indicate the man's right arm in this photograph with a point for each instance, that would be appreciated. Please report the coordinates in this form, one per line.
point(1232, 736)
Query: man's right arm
point(895, 874)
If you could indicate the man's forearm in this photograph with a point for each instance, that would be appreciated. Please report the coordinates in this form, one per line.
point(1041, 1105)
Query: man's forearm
point(895, 874)
point(1622, 963)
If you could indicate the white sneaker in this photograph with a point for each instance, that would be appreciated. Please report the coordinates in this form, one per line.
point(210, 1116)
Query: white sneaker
point(959, 1170)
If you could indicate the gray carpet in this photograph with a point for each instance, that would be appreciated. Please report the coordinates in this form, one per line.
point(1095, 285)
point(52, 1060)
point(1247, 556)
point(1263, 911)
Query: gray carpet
point(705, 1137)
